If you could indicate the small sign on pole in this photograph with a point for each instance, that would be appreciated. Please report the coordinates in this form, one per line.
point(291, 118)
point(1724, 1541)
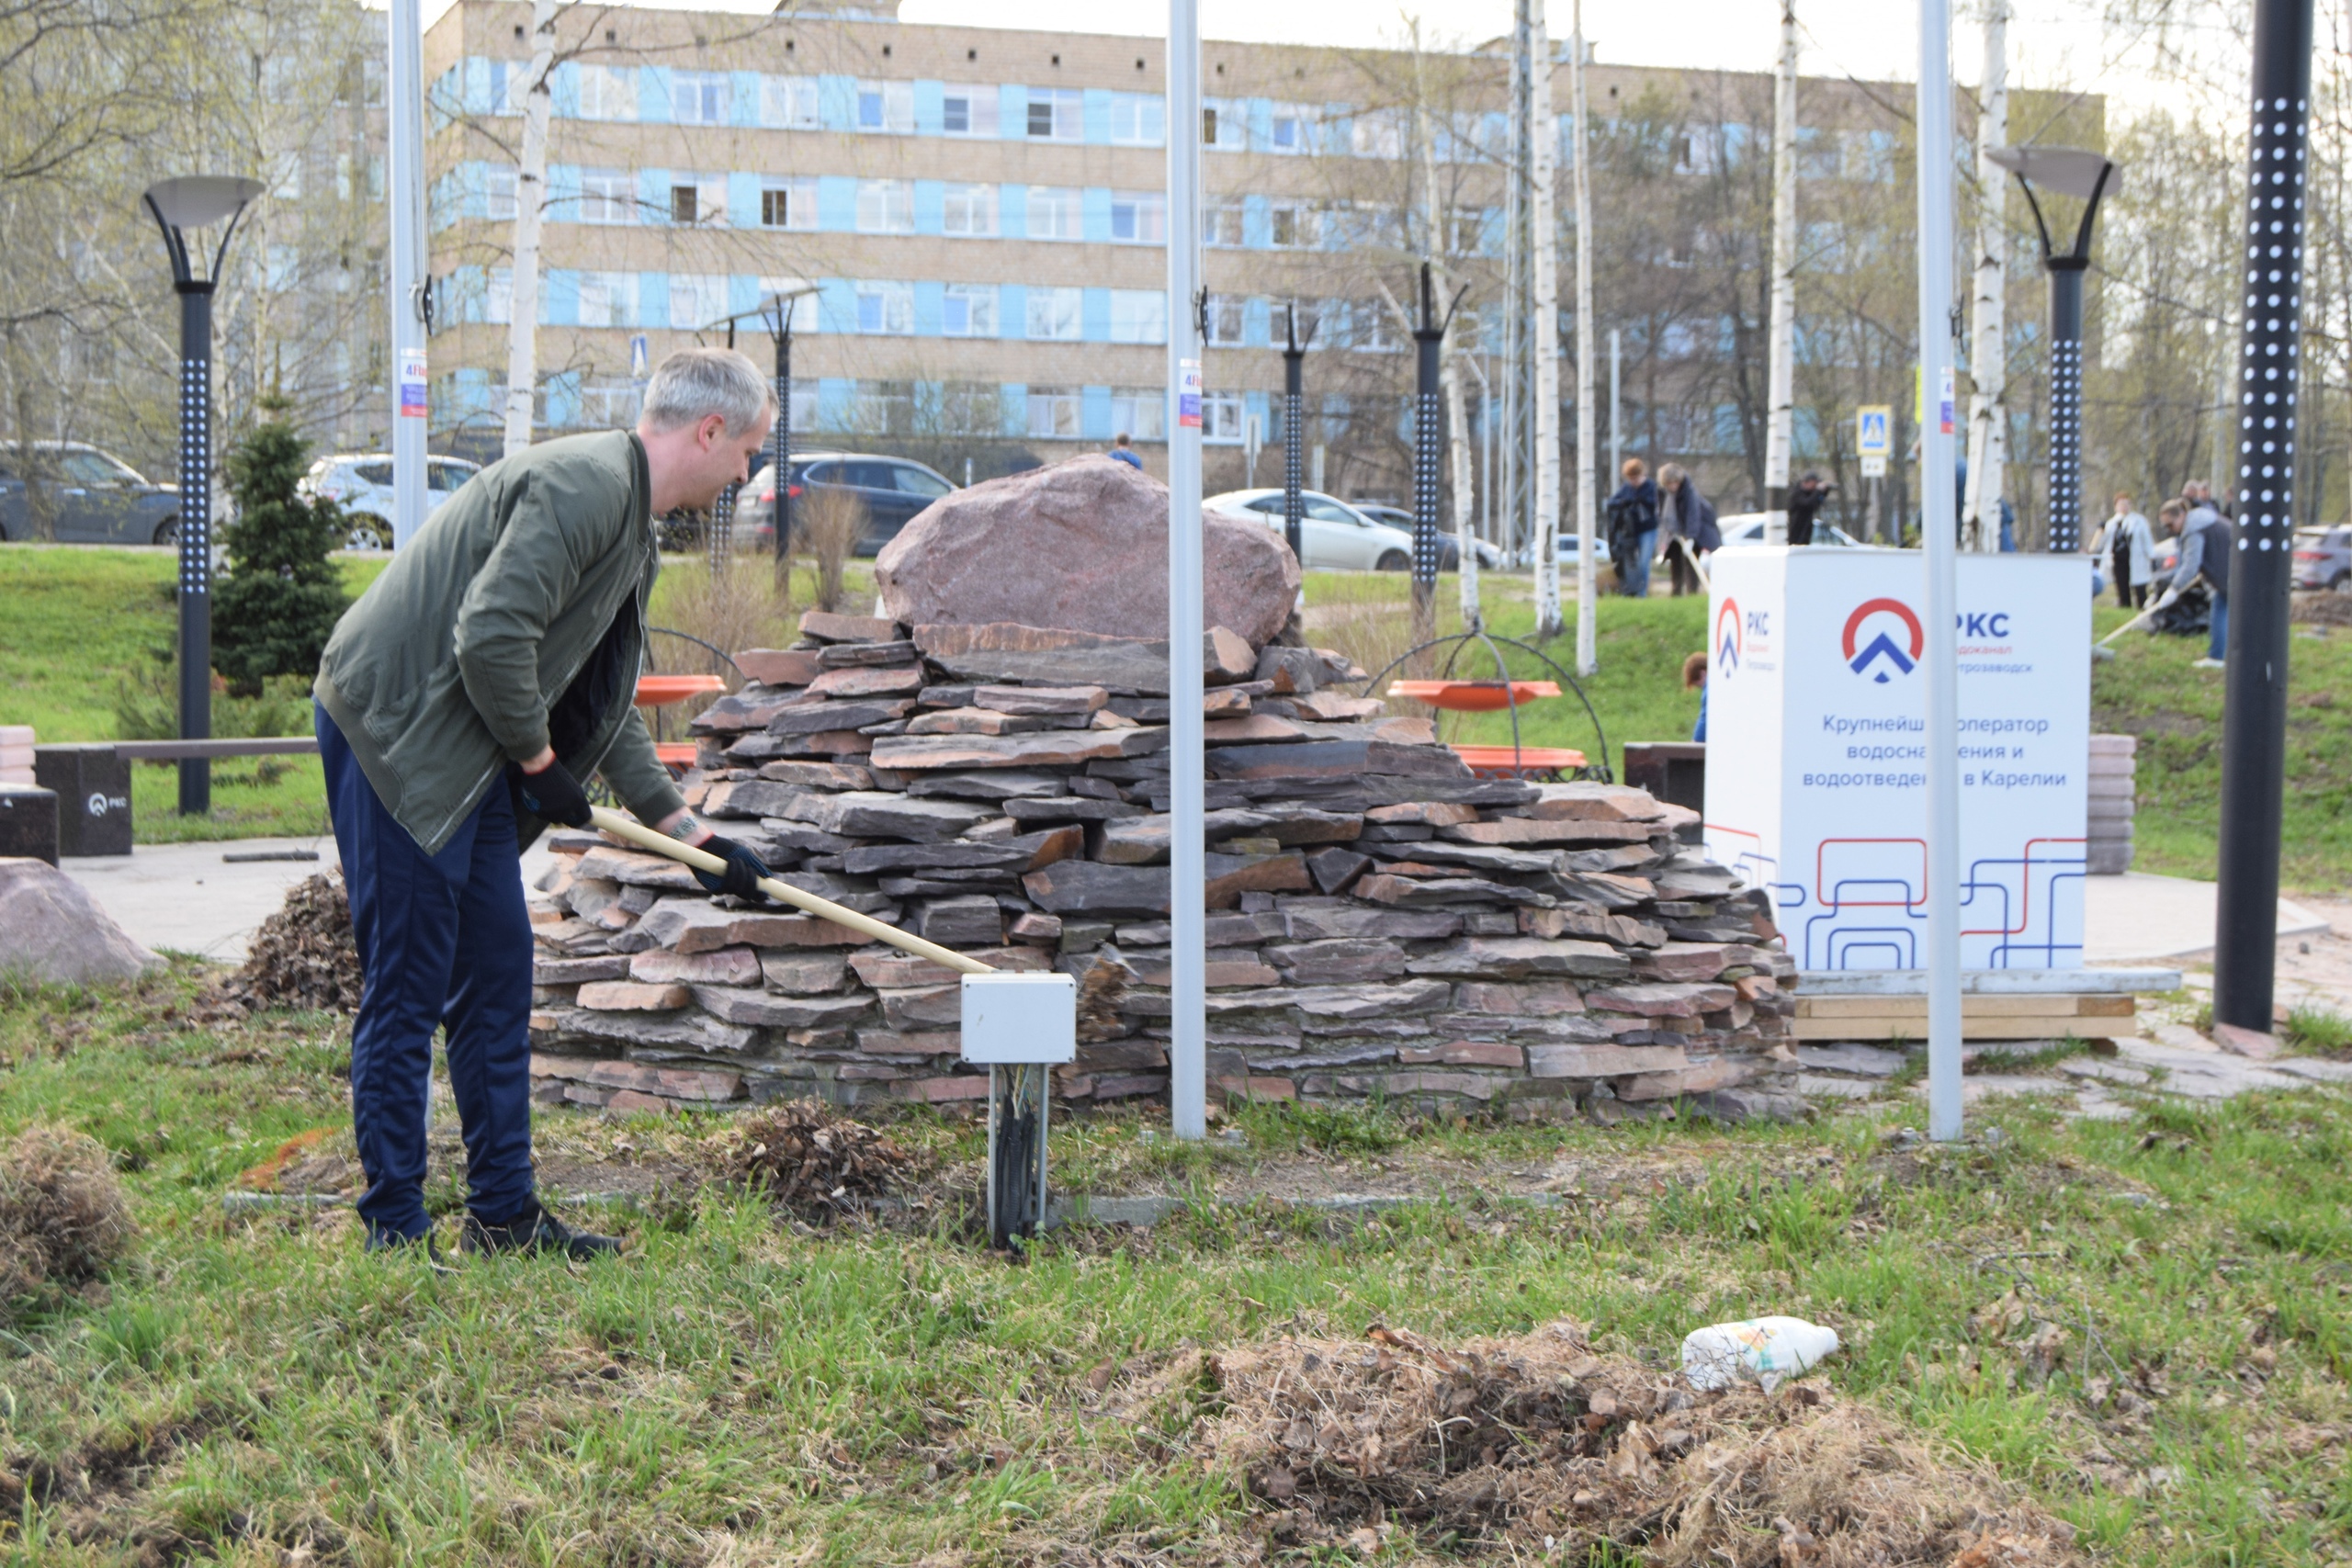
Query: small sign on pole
point(638, 355)
point(1873, 433)
point(1873, 468)
point(1188, 395)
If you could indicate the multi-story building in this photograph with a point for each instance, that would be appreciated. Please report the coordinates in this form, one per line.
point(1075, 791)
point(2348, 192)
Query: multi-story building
point(981, 213)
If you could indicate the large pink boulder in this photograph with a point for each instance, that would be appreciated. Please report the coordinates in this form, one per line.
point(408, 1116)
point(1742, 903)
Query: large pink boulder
point(1082, 546)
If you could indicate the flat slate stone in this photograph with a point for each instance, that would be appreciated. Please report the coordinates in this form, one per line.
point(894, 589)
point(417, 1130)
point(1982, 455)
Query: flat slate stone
point(877, 814)
point(843, 655)
point(765, 1011)
point(1846, 1056)
point(888, 680)
point(817, 775)
point(1040, 699)
point(988, 784)
point(1087, 887)
point(1530, 830)
point(779, 666)
point(1525, 958)
point(827, 626)
point(1335, 758)
point(810, 718)
point(1052, 747)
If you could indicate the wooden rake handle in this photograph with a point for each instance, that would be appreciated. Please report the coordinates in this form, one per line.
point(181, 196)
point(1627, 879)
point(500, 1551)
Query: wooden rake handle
point(646, 838)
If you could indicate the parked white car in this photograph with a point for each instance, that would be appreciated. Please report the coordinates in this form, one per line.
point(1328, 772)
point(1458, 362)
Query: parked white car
point(1748, 529)
point(1333, 536)
point(361, 484)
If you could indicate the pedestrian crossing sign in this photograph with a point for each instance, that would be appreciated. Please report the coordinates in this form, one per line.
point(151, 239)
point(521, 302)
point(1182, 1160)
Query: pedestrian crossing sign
point(1872, 422)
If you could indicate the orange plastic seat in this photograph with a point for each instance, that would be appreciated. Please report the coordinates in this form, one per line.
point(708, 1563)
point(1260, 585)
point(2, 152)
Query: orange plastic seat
point(1503, 763)
point(660, 690)
point(1474, 696)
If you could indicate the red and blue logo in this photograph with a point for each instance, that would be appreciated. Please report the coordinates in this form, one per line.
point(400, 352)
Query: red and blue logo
point(1881, 618)
point(1727, 639)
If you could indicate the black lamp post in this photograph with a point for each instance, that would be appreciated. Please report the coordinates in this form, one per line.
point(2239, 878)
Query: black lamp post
point(779, 308)
point(1294, 431)
point(197, 201)
point(2087, 177)
point(1427, 446)
point(2254, 708)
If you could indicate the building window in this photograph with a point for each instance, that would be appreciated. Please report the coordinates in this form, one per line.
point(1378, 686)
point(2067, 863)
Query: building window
point(1139, 217)
point(1138, 119)
point(610, 405)
point(968, 110)
point(280, 267)
point(607, 196)
point(1138, 315)
point(886, 207)
point(882, 408)
point(498, 192)
point(698, 199)
point(1053, 212)
point(1293, 129)
point(698, 97)
point(1221, 418)
point(1055, 314)
point(788, 203)
point(969, 210)
point(1379, 133)
point(970, 408)
point(607, 92)
point(1141, 412)
point(607, 299)
point(1225, 125)
point(697, 299)
point(1377, 329)
point(886, 109)
point(1467, 233)
point(498, 296)
point(789, 103)
point(887, 308)
point(1296, 227)
point(1059, 113)
point(1054, 413)
point(1224, 321)
point(969, 310)
point(1221, 224)
point(509, 82)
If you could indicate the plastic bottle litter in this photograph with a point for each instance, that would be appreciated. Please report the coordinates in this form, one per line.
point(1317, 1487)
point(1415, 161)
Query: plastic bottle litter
point(1767, 1351)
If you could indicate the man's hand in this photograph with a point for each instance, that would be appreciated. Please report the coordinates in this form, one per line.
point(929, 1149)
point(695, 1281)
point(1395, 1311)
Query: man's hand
point(551, 793)
point(744, 870)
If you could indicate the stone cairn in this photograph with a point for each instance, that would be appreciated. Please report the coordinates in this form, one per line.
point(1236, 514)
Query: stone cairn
point(1383, 923)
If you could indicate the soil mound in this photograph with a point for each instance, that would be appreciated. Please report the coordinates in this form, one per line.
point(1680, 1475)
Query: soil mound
point(1539, 1444)
point(63, 1214)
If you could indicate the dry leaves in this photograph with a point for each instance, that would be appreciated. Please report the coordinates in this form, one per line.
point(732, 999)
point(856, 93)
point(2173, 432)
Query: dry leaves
point(814, 1159)
point(303, 956)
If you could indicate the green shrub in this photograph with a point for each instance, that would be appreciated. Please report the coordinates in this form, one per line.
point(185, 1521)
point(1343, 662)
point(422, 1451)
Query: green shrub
point(283, 596)
point(147, 704)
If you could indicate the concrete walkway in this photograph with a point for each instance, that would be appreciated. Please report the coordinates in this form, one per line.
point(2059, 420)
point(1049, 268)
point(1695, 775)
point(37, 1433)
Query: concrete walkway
point(2140, 918)
point(194, 899)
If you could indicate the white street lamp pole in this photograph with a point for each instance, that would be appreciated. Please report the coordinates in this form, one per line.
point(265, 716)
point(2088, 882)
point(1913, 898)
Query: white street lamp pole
point(1187, 891)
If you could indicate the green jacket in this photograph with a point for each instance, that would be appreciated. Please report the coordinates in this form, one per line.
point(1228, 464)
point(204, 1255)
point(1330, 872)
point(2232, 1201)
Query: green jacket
point(448, 665)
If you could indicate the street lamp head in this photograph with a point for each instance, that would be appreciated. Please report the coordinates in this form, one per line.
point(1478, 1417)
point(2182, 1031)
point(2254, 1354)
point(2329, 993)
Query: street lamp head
point(2068, 171)
point(198, 201)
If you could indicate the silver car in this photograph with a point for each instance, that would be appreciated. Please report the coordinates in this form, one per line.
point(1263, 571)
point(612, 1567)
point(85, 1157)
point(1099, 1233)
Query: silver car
point(361, 484)
point(2323, 558)
point(95, 498)
point(1333, 536)
point(1748, 529)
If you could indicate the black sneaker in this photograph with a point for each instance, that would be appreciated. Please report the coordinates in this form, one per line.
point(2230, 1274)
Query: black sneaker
point(534, 1229)
point(393, 1242)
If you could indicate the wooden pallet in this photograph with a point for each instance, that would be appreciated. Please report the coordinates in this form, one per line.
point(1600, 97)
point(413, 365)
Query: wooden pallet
point(2047, 1016)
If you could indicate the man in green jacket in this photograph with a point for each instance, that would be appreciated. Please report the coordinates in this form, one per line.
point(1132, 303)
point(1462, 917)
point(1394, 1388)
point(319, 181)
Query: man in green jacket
point(460, 703)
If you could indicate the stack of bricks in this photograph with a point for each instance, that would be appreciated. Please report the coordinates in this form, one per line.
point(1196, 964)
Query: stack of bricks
point(1382, 923)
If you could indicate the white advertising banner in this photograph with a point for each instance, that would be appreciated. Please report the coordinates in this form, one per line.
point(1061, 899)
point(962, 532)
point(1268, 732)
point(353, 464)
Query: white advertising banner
point(1816, 757)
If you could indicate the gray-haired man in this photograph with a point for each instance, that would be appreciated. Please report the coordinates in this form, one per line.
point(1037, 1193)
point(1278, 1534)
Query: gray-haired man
point(460, 703)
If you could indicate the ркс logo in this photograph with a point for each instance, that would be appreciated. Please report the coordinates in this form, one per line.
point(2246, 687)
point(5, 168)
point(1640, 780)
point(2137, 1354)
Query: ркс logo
point(1883, 649)
point(1728, 638)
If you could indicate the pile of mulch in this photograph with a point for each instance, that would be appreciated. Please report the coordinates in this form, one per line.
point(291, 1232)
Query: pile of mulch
point(64, 1217)
point(1538, 1444)
point(303, 957)
point(2322, 609)
point(813, 1160)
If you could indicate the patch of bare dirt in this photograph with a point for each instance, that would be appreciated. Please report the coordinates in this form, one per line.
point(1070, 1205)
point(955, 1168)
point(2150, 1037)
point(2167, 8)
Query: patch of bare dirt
point(1539, 1444)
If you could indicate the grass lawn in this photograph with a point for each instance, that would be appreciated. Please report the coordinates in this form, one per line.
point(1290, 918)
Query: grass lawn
point(2143, 1324)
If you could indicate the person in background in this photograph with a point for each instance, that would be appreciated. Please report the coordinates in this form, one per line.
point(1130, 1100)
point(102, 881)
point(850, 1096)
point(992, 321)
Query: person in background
point(1689, 527)
point(1804, 505)
point(1124, 451)
point(1633, 529)
point(2124, 544)
point(2205, 546)
point(1695, 674)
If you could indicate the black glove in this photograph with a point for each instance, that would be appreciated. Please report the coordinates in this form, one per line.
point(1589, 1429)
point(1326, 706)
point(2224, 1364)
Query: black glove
point(552, 795)
point(744, 870)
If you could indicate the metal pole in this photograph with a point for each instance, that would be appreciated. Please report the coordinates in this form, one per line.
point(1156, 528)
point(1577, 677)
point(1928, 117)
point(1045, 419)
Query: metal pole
point(1426, 339)
point(404, 268)
point(2065, 443)
point(1188, 977)
point(780, 445)
point(196, 539)
point(1780, 386)
point(722, 528)
point(1294, 436)
point(1936, 502)
point(2254, 717)
point(1587, 531)
point(1616, 423)
point(1544, 333)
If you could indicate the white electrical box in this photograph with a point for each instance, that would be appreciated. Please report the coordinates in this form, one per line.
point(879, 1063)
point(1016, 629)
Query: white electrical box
point(1020, 1018)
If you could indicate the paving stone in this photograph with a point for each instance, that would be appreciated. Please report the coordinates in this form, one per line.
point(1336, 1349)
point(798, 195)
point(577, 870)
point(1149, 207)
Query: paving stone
point(1843, 1057)
point(1819, 1086)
